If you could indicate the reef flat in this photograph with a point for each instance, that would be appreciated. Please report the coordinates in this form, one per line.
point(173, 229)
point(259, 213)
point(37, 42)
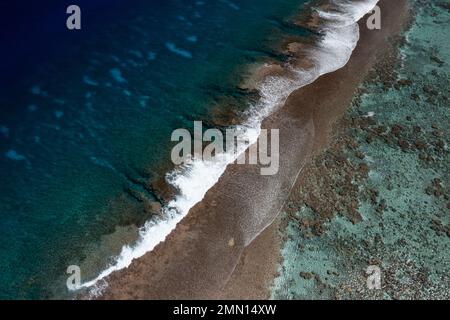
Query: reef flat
point(379, 195)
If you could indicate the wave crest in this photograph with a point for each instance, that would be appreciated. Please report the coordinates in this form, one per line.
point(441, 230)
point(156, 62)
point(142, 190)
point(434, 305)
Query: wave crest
point(339, 36)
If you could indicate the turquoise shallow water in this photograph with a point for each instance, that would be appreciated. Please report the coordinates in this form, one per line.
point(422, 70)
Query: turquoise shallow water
point(86, 116)
point(410, 241)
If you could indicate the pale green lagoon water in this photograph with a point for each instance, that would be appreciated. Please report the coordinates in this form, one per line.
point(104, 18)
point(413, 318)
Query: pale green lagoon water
point(402, 239)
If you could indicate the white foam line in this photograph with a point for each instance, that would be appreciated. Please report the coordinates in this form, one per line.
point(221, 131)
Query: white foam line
point(195, 179)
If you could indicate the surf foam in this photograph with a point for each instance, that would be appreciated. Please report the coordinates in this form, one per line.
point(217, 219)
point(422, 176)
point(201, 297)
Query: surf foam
point(340, 34)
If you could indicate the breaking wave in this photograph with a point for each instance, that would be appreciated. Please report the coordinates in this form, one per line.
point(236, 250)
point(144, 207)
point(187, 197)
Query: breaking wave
point(339, 32)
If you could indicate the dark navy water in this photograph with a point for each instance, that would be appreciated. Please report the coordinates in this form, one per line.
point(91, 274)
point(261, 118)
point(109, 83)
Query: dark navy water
point(84, 114)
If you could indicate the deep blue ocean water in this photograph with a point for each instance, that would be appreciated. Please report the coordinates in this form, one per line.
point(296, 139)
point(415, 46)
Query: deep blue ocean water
point(85, 113)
